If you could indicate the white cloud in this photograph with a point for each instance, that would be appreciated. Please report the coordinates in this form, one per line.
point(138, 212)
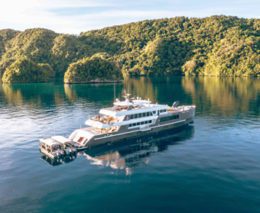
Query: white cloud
point(37, 13)
point(22, 14)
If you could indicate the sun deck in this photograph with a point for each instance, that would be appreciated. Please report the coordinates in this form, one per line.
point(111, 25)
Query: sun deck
point(98, 131)
point(123, 108)
point(129, 105)
point(105, 119)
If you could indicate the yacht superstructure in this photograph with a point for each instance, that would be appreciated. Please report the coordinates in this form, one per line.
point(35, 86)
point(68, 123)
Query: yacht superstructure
point(131, 118)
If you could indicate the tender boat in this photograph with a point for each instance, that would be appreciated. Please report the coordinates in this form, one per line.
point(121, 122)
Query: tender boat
point(56, 147)
point(67, 145)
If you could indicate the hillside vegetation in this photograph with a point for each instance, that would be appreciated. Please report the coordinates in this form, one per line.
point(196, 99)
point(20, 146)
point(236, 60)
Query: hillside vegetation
point(92, 69)
point(217, 45)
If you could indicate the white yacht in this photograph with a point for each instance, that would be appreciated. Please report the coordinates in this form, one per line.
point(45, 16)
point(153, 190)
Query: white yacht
point(131, 118)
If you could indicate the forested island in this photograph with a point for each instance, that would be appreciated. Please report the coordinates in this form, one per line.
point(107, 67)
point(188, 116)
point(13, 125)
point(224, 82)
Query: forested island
point(213, 46)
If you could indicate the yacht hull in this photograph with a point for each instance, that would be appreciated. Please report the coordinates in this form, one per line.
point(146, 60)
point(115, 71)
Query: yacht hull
point(124, 134)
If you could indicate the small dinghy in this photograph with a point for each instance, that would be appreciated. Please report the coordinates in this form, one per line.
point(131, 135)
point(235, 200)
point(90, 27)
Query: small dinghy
point(56, 147)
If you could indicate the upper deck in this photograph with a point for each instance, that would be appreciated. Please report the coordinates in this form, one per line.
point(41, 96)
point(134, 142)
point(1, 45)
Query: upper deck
point(132, 106)
point(131, 111)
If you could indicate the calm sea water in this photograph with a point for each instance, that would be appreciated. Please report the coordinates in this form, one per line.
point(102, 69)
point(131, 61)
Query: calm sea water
point(212, 166)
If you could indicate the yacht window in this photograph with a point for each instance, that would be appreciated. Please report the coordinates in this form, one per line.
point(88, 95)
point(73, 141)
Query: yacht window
point(138, 123)
point(150, 121)
point(144, 114)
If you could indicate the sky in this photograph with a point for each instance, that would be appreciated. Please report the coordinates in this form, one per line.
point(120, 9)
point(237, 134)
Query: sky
point(75, 16)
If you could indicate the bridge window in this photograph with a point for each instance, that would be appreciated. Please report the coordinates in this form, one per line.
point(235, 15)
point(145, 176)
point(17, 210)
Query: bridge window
point(140, 115)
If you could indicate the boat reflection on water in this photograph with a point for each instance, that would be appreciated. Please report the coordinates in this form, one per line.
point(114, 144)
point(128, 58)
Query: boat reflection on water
point(127, 155)
point(61, 160)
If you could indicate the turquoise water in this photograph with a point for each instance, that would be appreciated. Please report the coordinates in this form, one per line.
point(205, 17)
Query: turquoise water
point(212, 166)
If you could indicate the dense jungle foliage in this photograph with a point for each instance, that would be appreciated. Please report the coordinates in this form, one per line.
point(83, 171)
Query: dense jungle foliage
point(92, 69)
point(217, 45)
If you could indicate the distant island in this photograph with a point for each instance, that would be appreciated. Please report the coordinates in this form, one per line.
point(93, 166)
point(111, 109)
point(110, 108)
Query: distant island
point(215, 46)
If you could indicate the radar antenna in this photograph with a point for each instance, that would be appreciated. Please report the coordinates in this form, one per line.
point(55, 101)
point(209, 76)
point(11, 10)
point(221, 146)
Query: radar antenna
point(175, 104)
